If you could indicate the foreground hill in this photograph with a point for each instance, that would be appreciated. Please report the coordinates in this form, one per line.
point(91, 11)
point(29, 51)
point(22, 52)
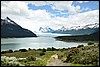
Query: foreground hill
point(10, 29)
point(91, 37)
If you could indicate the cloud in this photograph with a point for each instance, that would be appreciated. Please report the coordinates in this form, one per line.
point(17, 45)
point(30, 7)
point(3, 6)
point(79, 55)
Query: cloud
point(59, 5)
point(14, 7)
point(66, 5)
point(82, 1)
point(34, 19)
point(38, 3)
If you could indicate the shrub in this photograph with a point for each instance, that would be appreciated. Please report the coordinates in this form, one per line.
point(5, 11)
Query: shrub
point(80, 46)
point(31, 58)
point(22, 50)
point(49, 49)
point(29, 48)
point(44, 50)
point(53, 48)
point(42, 53)
point(10, 51)
point(70, 54)
point(90, 42)
point(3, 52)
point(34, 49)
point(64, 49)
point(39, 49)
point(16, 51)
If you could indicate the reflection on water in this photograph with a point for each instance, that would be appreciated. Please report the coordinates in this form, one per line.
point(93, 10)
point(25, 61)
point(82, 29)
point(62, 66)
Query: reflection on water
point(35, 43)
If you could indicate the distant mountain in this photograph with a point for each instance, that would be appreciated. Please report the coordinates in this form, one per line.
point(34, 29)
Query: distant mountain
point(74, 30)
point(90, 37)
point(46, 29)
point(11, 29)
point(79, 30)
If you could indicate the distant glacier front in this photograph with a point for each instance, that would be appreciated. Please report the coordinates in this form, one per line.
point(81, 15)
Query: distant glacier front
point(51, 34)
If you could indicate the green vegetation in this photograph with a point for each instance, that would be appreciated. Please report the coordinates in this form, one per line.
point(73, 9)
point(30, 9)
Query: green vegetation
point(90, 42)
point(22, 50)
point(31, 58)
point(8, 51)
point(87, 55)
point(76, 56)
point(42, 53)
point(44, 50)
point(80, 46)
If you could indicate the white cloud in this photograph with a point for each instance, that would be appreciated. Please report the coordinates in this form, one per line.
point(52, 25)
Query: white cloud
point(32, 20)
point(14, 7)
point(85, 18)
point(59, 5)
point(38, 3)
point(82, 1)
point(65, 5)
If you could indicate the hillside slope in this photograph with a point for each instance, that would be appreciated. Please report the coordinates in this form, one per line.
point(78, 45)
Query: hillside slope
point(11, 29)
point(92, 37)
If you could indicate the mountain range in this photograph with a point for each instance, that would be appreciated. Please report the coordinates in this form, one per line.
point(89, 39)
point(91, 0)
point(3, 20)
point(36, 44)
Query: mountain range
point(9, 28)
point(74, 30)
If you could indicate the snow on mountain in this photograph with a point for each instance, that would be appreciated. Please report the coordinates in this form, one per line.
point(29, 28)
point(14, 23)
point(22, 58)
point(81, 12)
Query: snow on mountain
point(96, 25)
point(46, 29)
point(64, 29)
point(7, 20)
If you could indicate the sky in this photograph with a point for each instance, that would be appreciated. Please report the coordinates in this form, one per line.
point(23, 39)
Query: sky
point(35, 14)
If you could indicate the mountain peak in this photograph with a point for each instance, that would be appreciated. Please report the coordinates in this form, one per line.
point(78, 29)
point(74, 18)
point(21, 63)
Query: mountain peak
point(11, 29)
point(9, 21)
point(7, 18)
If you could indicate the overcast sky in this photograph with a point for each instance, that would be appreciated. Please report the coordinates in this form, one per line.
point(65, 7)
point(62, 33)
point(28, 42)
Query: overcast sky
point(55, 14)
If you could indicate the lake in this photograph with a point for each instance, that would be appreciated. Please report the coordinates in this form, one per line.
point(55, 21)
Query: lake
point(35, 43)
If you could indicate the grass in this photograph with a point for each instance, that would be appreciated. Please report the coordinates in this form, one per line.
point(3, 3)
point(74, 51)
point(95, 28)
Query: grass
point(72, 64)
point(33, 53)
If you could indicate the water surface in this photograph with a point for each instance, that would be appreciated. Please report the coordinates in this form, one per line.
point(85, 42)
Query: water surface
point(35, 43)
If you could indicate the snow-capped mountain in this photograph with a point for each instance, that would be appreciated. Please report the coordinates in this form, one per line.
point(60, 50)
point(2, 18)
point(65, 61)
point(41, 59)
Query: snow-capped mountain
point(11, 29)
point(46, 29)
point(95, 25)
point(7, 20)
point(79, 30)
point(74, 30)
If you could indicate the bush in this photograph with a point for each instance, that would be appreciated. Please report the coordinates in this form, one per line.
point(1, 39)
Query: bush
point(49, 49)
point(44, 50)
point(3, 52)
point(16, 51)
point(39, 49)
point(53, 49)
point(10, 51)
point(31, 58)
point(70, 54)
point(80, 46)
point(90, 42)
point(42, 53)
point(22, 50)
point(29, 48)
